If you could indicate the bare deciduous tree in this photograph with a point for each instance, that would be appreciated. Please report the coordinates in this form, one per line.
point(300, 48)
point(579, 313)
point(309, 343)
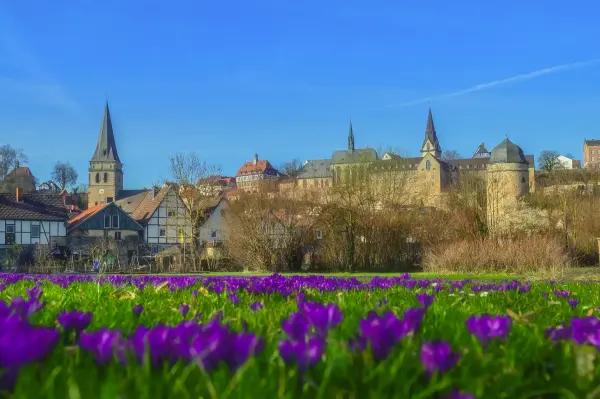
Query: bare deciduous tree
point(193, 179)
point(10, 158)
point(450, 154)
point(64, 174)
point(548, 160)
point(291, 168)
point(269, 232)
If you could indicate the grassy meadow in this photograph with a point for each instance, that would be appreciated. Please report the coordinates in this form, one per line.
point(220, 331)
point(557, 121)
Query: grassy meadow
point(408, 336)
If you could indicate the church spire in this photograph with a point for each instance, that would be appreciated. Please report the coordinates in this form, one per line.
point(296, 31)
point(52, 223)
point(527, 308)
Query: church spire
point(106, 149)
point(431, 143)
point(350, 139)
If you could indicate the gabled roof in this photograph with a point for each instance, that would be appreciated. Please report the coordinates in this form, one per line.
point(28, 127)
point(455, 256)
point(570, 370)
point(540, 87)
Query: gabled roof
point(22, 171)
point(106, 148)
point(257, 166)
point(91, 212)
point(80, 218)
point(362, 155)
point(142, 206)
point(33, 206)
point(316, 168)
point(481, 151)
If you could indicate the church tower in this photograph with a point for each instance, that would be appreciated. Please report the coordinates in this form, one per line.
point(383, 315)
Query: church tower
point(106, 169)
point(431, 144)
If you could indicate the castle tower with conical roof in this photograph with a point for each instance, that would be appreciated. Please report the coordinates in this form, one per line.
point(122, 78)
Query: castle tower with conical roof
point(106, 169)
point(507, 182)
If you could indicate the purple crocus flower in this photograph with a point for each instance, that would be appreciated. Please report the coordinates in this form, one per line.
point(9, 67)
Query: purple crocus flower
point(256, 306)
point(456, 394)
point(233, 298)
point(138, 309)
point(304, 353)
point(22, 343)
point(322, 317)
point(104, 344)
point(74, 321)
point(34, 293)
point(584, 330)
point(296, 326)
point(437, 356)
point(573, 303)
point(486, 327)
point(425, 299)
point(184, 309)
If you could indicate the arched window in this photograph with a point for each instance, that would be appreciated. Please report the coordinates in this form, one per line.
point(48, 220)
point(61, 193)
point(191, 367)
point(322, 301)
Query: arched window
point(97, 177)
point(428, 165)
point(105, 177)
point(523, 179)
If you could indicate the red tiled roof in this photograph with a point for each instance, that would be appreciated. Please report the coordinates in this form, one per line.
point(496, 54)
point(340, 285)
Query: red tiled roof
point(84, 215)
point(251, 167)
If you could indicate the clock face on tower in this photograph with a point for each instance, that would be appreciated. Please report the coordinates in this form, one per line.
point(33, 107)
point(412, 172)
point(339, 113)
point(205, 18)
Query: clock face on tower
point(101, 191)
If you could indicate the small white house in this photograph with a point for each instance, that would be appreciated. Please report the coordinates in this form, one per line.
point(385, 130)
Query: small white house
point(563, 162)
point(31, 218)
point(212, 231)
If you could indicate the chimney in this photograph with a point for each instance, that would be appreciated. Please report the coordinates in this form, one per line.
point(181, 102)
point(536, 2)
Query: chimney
point(154, 192)
point(255, 159)
point(19, 194)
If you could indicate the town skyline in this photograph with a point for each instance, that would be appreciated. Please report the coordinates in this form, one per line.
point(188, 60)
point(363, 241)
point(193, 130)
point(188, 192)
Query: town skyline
point(275, 90)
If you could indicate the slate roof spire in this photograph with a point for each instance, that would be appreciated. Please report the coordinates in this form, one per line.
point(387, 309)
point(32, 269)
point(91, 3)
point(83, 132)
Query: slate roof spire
point(106, 149)
point(431, 137)
point(430, 132)
point(350, 139)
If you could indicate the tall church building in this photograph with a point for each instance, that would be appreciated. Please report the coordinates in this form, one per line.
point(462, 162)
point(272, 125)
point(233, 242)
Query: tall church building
point(106, 169)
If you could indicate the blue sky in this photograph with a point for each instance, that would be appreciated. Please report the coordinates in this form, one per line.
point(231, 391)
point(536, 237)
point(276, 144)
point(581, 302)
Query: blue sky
point(280, 78)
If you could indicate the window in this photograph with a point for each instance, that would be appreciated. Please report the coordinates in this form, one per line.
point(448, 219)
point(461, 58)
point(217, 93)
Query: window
point(213, 234)
point(107, 221)
point(319, 235)
point(97, 177)
point(428, 165)
point(35, 231)
point(222, 212)
point(109, 200)
point(162, 232)
point(115, 221)
point(10, 234)
point(523, 179)
point(105, 177)
point(117, 235)
point(172, 213)
point(96, 203)
point(154, 250)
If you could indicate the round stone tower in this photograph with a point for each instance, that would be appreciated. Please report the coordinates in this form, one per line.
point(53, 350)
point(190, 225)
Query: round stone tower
point(507, 182)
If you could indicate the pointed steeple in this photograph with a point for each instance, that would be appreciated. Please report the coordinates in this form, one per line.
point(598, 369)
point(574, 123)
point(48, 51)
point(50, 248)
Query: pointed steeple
point(350, 139)
point(106, 149)
point(431, 143)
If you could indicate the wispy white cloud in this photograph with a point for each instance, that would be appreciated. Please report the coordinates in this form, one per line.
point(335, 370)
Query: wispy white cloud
point(22, 72)
point(512, 79)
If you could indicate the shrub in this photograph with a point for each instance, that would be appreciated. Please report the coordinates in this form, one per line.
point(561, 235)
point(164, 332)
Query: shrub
point(532, 256)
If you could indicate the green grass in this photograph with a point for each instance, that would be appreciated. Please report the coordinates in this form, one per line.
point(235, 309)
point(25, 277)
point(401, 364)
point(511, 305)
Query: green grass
point(527, 365)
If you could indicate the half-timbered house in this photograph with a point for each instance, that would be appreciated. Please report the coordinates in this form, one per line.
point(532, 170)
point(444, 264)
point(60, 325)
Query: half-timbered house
point(163, 215)
point(29, 219)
